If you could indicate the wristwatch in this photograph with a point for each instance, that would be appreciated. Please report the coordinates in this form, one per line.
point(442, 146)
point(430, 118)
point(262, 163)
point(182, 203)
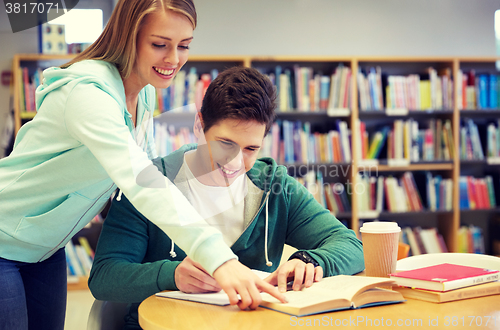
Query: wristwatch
point(305, 257)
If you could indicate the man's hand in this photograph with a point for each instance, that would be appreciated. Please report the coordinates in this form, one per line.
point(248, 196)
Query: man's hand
point(296, 270)
point(235, 278)
point(190, 277)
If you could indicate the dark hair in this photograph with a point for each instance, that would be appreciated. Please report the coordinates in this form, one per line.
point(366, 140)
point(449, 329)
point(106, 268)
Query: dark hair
point(239, 93)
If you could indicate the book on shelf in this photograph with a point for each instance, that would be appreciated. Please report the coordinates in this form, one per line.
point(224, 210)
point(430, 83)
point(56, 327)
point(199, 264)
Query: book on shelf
point(330, 294)
point(27, 86)
point(423, 240)
point(336, 198)
point(388, 193)
point(470, 239)
point(168, 138)
point(439, 192)
point(476, 193)
point(408, 141)
point(300, 145)
point(302, 89)
point(79, 257)
point(188, 87)
point(444, 277)
point(478, 90)
point(430, 90)
point(475, 291)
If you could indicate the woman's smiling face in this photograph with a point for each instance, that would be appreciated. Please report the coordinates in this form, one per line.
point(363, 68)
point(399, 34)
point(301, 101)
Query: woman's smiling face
point(162, 48)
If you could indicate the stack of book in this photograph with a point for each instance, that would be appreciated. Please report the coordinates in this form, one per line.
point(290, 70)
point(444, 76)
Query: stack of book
point(447, 282)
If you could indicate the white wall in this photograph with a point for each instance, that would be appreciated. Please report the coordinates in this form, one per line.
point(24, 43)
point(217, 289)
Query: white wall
point(27, 42)
point(346, 27)
point(316, 27)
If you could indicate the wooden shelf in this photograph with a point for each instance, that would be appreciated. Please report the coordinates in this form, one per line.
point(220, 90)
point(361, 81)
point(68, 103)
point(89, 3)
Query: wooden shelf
point(449, 220)
point(495, 209)
point(417, 167)
point(375, 114)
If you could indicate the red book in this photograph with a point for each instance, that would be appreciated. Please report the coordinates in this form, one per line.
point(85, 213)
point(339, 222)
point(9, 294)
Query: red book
point(362, 128)
point(444, 277)
point(27, 91)
point(472, 193)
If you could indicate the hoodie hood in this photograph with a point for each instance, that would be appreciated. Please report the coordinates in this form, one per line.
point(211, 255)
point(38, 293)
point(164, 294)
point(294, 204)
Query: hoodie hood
point(103, 74)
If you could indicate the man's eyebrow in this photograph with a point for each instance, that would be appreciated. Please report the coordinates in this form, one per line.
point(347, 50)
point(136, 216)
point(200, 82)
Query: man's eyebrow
point(229, 140)
point(170, 39)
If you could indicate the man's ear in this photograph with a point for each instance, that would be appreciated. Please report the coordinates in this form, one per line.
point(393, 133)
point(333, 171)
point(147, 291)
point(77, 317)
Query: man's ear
point(198, 126)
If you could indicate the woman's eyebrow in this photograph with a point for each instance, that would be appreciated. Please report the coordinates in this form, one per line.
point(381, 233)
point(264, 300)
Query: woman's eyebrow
point(170, 39)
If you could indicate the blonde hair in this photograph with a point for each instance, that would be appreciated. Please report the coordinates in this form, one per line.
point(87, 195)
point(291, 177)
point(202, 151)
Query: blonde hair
point(117, 43)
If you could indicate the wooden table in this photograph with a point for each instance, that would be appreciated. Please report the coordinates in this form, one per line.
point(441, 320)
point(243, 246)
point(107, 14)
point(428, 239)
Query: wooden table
point(157, 313)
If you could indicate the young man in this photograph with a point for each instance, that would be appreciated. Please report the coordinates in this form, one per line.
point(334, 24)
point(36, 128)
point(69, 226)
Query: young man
point(254, 203)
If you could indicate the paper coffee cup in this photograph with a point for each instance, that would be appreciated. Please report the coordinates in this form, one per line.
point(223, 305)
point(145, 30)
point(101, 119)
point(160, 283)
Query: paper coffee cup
point(380, 247)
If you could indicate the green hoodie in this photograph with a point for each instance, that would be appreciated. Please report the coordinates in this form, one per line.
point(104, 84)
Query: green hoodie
point(67, 160)
point(132, 259)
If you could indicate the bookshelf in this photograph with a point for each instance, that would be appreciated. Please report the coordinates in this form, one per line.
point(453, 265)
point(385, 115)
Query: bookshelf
point(447, 222)
point(32, 62)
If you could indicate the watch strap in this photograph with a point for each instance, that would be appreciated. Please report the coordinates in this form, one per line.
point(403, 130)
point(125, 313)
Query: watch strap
point(305, 257)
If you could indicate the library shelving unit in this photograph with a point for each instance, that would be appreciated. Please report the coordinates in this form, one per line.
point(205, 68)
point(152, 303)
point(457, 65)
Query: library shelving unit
point(447, 221)
point(32, 62)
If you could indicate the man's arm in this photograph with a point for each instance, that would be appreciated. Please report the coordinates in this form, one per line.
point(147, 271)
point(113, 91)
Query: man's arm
point(313, 229)
point(321, 239)
point(118, 273)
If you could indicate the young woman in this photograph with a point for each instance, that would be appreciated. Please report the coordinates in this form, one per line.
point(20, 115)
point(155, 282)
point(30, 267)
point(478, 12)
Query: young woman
point(93, 133)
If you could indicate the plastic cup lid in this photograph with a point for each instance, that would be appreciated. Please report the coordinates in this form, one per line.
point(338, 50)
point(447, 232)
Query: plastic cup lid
point(380, 227)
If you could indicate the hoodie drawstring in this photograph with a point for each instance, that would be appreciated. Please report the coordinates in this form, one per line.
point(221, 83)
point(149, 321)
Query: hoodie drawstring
point(172, 252)
point(268, 263)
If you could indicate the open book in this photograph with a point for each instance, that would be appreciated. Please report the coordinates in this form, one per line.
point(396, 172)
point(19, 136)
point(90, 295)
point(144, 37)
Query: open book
point(330, 294)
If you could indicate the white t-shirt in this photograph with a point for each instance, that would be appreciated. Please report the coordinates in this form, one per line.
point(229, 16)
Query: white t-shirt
point(221, 207)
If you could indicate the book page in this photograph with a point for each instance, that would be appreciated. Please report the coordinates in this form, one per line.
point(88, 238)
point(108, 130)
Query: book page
point(215, 298)
point(343, 287)
point(376, 295)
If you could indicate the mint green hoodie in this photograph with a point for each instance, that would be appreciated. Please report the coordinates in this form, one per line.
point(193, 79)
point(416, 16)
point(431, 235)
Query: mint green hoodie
point(67, 160)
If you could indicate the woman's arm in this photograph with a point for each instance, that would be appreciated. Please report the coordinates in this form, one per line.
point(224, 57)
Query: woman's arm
point(95, 119)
